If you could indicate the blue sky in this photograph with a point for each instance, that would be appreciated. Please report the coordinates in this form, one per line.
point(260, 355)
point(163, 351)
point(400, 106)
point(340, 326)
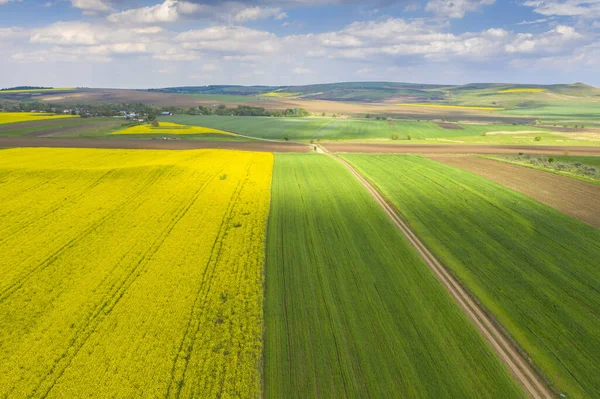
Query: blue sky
point(158, 43)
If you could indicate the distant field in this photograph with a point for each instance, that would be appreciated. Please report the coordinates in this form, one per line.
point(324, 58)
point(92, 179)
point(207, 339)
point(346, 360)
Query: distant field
point(169, 128)
point(129, 273)
point(524, 90)
point(13, 117)
point(256, 126)
point(64, 127)
point(305, 129)
point(36, 90)
point(533, 267)
point(351, 310)
point(471, 107)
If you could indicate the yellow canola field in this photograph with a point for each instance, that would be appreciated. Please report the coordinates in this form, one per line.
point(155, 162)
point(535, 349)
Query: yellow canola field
point(453, 106)
point(37, 90)
point(13, 117)
point(132, 273)
point(523, 90)
point(280, 94)
point(170, 128)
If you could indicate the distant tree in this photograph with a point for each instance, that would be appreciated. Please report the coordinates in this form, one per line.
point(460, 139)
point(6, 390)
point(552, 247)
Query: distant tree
point(286, 138)
point(155, 123)
point(538, 138)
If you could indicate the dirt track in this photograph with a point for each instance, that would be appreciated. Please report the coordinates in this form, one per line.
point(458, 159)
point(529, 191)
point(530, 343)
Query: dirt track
point(571, 196)
point(263, 146)
point(510, 355)
point(375, 148)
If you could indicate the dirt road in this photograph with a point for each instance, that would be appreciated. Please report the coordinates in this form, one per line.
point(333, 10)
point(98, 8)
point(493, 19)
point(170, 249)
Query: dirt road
point(262, 146)
point(518, 365)
point(374, 148)
point(571, 196)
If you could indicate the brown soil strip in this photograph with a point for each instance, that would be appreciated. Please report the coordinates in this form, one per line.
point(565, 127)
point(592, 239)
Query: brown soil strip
point(574, 197)
point(263, 146)
point(518, 365)
point(375, 148)
point(450, 126)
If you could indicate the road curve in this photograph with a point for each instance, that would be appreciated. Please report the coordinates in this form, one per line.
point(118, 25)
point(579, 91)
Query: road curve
point(522, 370)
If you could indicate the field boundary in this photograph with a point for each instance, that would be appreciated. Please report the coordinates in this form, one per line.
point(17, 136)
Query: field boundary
point(522, 369)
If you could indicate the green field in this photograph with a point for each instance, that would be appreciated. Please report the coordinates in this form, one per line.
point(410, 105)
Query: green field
point(257, 126)
point(533, 267)
point(350, 308)
point(329, 129)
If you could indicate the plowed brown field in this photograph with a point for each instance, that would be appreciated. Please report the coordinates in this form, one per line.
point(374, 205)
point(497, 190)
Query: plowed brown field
point(571, 196)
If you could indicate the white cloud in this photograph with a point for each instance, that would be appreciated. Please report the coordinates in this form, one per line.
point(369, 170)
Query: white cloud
point(2, 2)
point(230, 40)
point(534, 22)
point(548, 42)
point(301, 71)
point(570, 8)
point(174, 10)
point(455, 8)
point(159, 13)
point(92, 6)
point(209, 67)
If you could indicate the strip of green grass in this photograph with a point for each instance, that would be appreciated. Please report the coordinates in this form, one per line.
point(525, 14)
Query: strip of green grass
point(350, 308)
point(533, 267)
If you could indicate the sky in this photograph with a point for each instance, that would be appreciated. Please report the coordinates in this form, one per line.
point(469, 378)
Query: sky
point(164, 43)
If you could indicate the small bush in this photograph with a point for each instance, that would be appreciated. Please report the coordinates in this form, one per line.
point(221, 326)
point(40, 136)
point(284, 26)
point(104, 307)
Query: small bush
point(155, 123)
point(538, 138)
point(394, 137)
point(484, 134)
point(551, 159)
point(408, 137)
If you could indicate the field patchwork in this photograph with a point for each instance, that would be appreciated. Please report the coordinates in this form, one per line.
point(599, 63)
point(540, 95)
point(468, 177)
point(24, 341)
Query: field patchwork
point(130, 273)
point(534, 268)
point(351, 310)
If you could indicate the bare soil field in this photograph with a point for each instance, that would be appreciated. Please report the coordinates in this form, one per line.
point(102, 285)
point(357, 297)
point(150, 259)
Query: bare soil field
point(571, 196)
point(374, 148)
point(263, 146)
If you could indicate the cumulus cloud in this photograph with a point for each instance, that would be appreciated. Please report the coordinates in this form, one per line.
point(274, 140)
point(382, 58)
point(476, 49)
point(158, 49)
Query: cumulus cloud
point(570, 8)
point(173, 10)
point(93, 6)
point(229, 40)
point(455, 8)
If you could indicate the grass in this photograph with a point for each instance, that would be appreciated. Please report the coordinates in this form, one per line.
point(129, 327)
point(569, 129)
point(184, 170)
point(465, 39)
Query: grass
point(471, 107)
point(170, 128)
point(533, 267)
point(132, 273)
point(351, 310)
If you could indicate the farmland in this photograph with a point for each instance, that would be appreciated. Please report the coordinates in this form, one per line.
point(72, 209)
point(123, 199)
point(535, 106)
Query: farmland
point(170, 128)
point(351, 310)
point(132, 273)
point(534, 268)
point(13, 117)
point(328, 129)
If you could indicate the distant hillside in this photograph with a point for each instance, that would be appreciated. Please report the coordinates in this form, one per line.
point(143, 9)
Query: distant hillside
point(507, 95)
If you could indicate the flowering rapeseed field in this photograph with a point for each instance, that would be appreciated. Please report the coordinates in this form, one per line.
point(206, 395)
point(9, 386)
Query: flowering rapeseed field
point(13, 117)
point(170, 128)
point(132, 273)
